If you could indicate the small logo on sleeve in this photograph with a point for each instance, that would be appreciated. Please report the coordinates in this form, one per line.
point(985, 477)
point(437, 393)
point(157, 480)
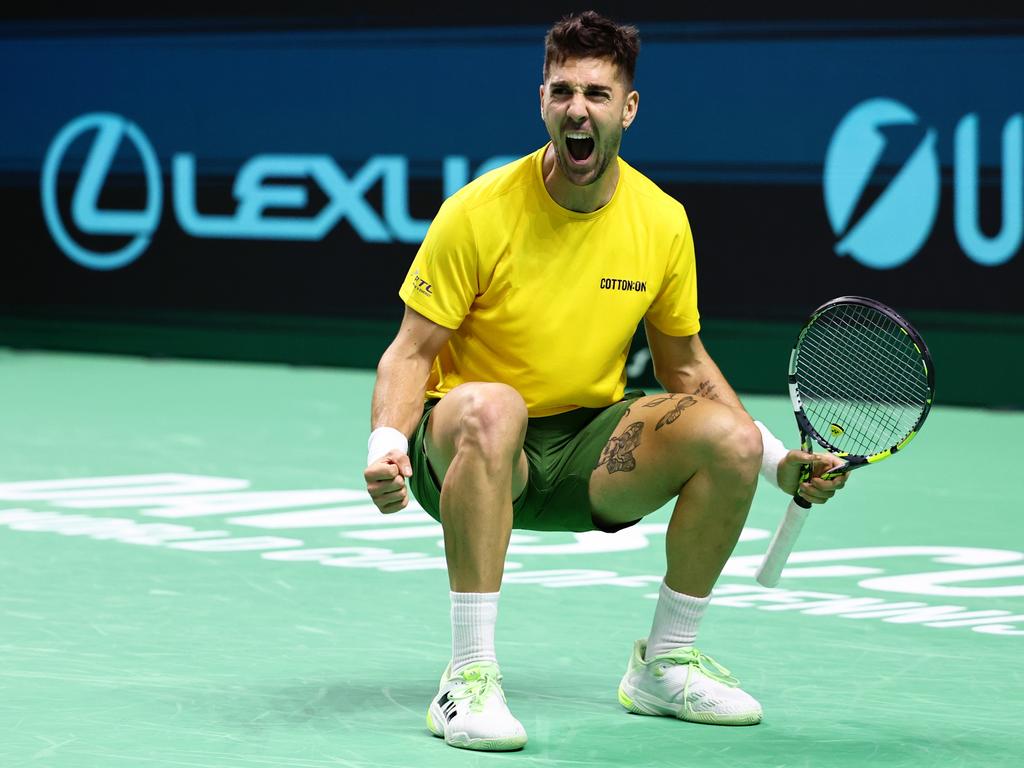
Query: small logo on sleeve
point(617, 284)
point(421, 285)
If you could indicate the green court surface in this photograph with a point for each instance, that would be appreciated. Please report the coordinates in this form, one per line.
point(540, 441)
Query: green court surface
point(191, 575)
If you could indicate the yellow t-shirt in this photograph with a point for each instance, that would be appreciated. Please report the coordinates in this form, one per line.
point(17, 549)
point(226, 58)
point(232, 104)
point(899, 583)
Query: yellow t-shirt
point(545, 299)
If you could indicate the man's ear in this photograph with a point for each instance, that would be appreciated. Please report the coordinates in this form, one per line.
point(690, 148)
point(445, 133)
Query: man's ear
point(630, 109)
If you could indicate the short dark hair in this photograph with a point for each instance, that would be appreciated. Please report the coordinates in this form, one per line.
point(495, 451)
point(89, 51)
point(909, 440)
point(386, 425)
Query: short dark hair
point(589, 34)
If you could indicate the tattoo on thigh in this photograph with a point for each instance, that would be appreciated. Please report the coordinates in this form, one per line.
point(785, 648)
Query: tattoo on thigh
point(674, 414)
point(656, 401)
point(618, 453)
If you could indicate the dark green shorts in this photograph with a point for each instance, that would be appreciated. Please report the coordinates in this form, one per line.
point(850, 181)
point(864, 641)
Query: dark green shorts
point(562, 451)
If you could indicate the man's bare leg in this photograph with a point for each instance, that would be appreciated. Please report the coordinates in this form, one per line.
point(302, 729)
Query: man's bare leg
point(707, 456)
point(704, 455)
point(474, 445)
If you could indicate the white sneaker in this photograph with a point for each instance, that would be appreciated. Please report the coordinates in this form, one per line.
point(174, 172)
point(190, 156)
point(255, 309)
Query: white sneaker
point(470, 710)
point(685, 683)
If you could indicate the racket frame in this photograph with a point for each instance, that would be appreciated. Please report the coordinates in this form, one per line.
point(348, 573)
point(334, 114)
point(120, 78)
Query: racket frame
point(789, 528)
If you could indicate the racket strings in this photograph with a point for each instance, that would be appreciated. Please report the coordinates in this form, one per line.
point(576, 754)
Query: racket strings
point(860, 379)
point(865, 396)
point(903, 394)
point(859, 427)
point(861, 409)
point(904, 371)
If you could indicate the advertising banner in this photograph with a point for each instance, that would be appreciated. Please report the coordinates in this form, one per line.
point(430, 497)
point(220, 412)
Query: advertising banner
point(297, 172)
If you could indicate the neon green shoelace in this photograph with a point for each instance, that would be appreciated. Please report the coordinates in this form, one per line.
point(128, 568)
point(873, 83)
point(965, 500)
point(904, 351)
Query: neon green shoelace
point(480, 682)
point(703, 662)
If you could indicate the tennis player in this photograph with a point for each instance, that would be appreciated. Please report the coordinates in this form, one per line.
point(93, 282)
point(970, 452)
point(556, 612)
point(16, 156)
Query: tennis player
point(501, 402)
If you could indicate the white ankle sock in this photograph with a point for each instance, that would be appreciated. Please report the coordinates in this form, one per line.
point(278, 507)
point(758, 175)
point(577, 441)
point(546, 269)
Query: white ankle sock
point(676, 620)
point(474, 615)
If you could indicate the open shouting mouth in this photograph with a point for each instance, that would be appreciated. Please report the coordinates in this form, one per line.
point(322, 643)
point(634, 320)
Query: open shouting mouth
point(580, 145)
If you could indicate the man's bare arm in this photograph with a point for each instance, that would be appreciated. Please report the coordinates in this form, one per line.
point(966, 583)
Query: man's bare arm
point(398, 405)
point(403, 371)
point(681, 364)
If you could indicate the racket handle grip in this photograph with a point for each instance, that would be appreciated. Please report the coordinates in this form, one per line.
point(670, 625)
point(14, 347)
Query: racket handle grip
point(782, 543)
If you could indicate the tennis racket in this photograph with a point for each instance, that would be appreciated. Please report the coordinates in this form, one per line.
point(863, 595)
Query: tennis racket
point(861, 381)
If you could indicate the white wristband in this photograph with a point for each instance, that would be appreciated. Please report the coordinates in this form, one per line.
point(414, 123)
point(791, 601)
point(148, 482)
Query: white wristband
point(774, 452)
point(382, 440)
